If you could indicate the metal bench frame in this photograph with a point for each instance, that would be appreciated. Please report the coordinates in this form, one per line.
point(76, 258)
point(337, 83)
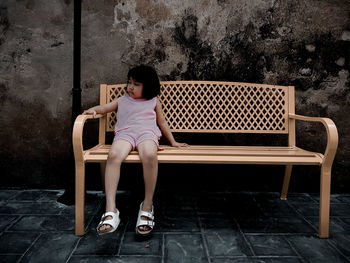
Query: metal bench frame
point(217, 107)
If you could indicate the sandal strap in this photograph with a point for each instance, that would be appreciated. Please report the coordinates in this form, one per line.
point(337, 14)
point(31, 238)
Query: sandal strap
point(146, 214)
point(142, 222)
point(112, 214)
point(114, 222)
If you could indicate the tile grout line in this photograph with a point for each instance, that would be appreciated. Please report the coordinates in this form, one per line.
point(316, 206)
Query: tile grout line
point(74, 249)
point(241, 231)
point(244, 237)
point(15, 221)
point(331, 244)
point(163, 248)
point(303, 217)
point(294, 249)
point(204, 240)
point(25, 252)
point(122, 237)
point(12, 197)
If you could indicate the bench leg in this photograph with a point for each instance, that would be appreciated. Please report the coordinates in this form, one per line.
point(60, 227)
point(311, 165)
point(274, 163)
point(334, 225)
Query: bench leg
point(103, 171)
point(325, 191)
point(79, 198)
point(286, 180)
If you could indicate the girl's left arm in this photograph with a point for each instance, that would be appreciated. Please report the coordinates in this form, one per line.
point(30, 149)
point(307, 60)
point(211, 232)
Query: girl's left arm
point(164, 127)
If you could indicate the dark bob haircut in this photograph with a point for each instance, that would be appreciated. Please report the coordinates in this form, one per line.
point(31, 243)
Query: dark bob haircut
point(148, 77)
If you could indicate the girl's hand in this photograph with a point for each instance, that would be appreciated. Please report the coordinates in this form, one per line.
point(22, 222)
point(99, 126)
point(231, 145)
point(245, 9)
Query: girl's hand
point(179, 144)
point(92, 112)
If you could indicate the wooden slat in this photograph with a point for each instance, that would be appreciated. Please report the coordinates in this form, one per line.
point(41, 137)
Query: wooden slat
point(220, 155)
point(207, 159)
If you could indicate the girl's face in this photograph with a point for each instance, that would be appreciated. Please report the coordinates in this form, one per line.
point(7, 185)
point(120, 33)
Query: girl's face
point(135, 89)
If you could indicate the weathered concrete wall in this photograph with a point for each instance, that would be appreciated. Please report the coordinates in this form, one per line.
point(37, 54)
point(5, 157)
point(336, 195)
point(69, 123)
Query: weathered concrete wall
point(35, 91)
point(302, 43)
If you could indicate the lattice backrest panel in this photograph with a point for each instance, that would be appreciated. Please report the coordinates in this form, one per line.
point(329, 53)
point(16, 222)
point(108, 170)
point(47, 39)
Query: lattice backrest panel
point(114, 92)
point(203, 106)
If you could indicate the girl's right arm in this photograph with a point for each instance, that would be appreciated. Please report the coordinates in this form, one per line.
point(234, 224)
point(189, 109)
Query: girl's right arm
point(102, 109)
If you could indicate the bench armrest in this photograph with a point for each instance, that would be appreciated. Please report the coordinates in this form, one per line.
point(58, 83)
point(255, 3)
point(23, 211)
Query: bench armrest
point(77, 135)
point(332, 136)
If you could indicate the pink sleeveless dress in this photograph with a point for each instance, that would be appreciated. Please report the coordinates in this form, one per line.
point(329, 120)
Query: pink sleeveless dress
point(136, 121)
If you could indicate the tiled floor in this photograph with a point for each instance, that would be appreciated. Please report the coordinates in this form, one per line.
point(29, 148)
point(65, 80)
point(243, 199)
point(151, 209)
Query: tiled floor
point(190, 227)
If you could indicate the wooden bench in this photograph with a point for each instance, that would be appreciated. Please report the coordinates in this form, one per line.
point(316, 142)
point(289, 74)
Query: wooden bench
point(217, 107)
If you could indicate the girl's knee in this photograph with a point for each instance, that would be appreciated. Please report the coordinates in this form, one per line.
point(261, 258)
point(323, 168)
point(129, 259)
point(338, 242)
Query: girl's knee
point(149, 157)
point(114, 157)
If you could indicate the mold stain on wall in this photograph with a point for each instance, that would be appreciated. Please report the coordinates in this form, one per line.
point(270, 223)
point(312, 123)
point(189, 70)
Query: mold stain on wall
point(279, 42)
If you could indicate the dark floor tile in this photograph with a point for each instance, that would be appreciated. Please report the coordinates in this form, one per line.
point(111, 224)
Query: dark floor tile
point(132, 245)
point(7, 194)
point(336, 225)
point(37, 195)
point(266, 195)
point(277, 208)
point(30, 208)
point(334, 198)
point(6, 220)
point(176, 224)
point(213, 203)
point(314, 249)
point(177, 202)
point(344, 198)
point(346, 223)
point(340, 210)
point(109, 259)
point(9, 258)
point(306, 209)
point(275, 225)
point(169, 211)
point(51, 248)
point(277, 260)
point(265, 245)
point(184, 248)
point(93, 244)
point(16, 243)
point(91, 207)
point(342, 242)
point(299, 198)
point(245, 208)
point(227, 244)
point(241, 196)
point(257, 260)
point(44, 223)
point(216, 222)
point(231, 260)
point(313, 209)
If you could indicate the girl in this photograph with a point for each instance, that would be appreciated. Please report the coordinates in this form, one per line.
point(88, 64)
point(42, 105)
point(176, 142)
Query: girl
point(138, 114)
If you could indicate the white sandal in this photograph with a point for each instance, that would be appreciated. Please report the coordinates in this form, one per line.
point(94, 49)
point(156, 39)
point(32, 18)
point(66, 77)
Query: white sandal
point(113, 223)
point(141, 222)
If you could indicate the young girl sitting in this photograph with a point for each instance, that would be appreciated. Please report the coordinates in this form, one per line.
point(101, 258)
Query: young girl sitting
point(138, 114)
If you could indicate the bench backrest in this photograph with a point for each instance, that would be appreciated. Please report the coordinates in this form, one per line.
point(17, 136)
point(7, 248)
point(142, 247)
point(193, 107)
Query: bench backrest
point(220, 107)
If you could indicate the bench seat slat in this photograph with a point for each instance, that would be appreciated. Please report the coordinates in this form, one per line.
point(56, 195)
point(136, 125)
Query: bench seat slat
point(219, 154)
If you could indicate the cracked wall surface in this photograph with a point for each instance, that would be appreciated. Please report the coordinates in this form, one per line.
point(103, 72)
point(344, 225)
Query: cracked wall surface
point(301, 43)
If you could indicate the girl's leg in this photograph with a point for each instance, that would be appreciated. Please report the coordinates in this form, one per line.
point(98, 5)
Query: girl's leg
point(118, 152)
point(148, 154)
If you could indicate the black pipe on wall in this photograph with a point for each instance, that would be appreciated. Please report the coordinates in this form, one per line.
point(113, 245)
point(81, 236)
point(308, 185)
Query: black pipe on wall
point(76, 91)
point(69, 194)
